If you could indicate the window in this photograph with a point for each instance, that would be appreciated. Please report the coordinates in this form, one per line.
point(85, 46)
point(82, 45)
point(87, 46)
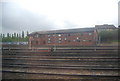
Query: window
point(74, 40)
point(81, 34)
point(74, 34)
point(65, 35)
point(89, 33)
point(89, 40)
point(59, 35)
point(84, 40)
point(77, 38)
point(60, 39)
point(68, 34)
point(37, 35)
point(48, 35)
point(49, 39)
point(68, 40)
point(65, 38)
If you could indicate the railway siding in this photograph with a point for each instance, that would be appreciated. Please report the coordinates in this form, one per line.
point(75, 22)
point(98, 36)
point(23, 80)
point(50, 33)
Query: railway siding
point(72, 62)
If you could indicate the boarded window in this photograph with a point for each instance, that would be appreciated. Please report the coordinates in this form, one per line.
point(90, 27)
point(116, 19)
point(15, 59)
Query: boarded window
point(89, 33)
point(48, 35)
point(59, 35)
point(74, 40)
point(77, 38)
point(60, 39)
point(53, 35)
point(49, 41)
point(84, 40)
point(65, 38)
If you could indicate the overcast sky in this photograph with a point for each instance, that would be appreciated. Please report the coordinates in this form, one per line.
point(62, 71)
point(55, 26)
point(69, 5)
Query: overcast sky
point(38, 15)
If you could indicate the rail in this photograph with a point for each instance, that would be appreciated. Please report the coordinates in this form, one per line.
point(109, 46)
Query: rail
point(78, 62)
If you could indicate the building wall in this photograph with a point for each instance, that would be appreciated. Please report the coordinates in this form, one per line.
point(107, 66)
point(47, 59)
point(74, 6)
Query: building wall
point(64, 39)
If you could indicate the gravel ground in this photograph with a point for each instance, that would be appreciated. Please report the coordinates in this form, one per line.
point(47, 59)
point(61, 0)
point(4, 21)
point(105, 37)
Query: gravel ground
point(53, 71)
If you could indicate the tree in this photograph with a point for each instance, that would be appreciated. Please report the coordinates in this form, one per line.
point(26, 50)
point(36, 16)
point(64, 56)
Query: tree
point(119, 26)
point(17, 35)
point(22, 34)
point(108, 36)
point(3, 36)
point(8, 35)
point(0, 35)
point(12, 36)
point(27, 33)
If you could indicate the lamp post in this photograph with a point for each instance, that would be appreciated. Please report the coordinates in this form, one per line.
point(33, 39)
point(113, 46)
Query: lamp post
point(99, 40)
point(55, 41)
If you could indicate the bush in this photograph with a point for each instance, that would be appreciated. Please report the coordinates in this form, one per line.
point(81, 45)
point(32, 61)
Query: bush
point(15, 39)
point(108, 36)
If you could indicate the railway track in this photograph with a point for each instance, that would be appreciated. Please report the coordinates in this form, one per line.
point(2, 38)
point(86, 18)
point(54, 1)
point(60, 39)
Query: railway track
point(78, 62)
point(63, 74)
point(95, 67)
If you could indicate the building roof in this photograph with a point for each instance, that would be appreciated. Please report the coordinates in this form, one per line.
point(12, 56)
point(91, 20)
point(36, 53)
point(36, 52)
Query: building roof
point(64, 31)
point(105, 26)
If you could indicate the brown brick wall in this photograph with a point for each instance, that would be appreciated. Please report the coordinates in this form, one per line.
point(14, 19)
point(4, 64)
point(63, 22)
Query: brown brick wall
point(75, 39)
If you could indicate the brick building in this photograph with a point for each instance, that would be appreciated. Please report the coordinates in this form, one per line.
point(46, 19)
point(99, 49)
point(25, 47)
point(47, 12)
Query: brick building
point(67, 37)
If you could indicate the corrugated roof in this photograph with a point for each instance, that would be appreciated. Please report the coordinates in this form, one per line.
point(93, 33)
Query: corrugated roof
point(64, 31)
point(106, 26)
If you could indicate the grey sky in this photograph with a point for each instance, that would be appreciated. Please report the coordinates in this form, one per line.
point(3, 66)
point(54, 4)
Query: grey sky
point(38, 15)
point(15, 19)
